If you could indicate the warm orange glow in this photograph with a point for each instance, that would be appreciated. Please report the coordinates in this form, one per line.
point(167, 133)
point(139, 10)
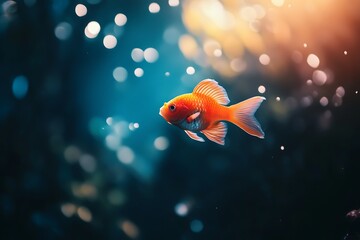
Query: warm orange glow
point(188, 46)
point(300, 33)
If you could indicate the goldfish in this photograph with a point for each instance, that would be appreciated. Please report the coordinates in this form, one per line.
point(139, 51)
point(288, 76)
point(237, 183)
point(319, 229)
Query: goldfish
point(205, 111)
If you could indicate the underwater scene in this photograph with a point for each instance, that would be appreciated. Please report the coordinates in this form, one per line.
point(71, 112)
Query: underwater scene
point(180, 119)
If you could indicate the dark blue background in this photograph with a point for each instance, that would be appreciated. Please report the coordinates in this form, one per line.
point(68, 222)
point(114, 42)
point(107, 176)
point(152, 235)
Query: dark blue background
point(248, 189)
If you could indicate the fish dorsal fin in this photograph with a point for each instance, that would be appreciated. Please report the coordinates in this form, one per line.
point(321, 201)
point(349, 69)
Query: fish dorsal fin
point(194, 136)
point(212, 89)
point(192, 117)
point(216, 133)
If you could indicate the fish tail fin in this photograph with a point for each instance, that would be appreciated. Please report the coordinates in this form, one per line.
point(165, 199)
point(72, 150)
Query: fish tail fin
point(242, 115)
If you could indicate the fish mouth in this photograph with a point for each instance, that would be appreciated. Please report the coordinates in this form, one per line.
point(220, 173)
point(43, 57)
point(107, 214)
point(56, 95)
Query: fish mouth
point(160, 111)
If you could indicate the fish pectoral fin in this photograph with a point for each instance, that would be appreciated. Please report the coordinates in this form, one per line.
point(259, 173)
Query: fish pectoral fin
point(192, 117)
point(194, 136)
point(216, 133)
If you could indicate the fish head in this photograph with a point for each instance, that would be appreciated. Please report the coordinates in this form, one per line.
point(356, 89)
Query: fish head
point(174, 111)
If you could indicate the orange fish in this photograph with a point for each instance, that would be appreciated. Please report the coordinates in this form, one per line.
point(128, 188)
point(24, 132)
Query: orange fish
point(204, 111)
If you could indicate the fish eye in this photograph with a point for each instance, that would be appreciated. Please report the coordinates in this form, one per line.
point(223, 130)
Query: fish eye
point(172, 107)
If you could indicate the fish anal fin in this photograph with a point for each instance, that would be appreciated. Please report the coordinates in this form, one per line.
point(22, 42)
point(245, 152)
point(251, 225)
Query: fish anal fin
point(211, 88)
point(194, 136)
point(192, 117)
point(216, 133)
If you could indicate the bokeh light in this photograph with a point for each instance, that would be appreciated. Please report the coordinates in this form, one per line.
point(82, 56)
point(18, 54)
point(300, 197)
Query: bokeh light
point(139, 72)
point(181, 209)
point(161, 143)
point(120, 74)
point(72, 153)
point(173, 3)
point(120, 19)
point(112, 142)
point(9, 8)
point(92, 29)
point(80, 10)
point(87, 163)
point(324, 101)
point(154, 7)
point(261, 89)
point(306, 101)
point(190, 70)
point(264, 59)
point(278, 3)
point(84, 214)
point(151, 55)
point(20, 87)
point(109, 41)
point(134, 126)
point(313, 60)
point(137, 55)
point(130, 229)
point(340, 91)
point(196, 226)
point(171, 35)
point(63, 31)
point(125, 155)
point(68, 209)
point(319, 77)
